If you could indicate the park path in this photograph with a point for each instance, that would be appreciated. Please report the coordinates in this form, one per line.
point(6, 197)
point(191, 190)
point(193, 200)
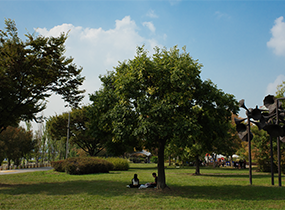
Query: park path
point(24, 170)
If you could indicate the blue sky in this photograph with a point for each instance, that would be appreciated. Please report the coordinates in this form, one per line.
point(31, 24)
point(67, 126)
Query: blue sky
point(241, 44)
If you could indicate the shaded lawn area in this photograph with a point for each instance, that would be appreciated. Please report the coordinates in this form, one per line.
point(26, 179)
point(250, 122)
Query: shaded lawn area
point(223, 188)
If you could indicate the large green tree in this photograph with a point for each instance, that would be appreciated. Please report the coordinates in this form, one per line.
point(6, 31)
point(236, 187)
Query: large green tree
point(167, 101)
point(30, 71)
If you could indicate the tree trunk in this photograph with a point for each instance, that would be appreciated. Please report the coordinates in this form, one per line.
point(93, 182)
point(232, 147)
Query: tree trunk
point(197, 172)
point(169, 160)
point(161, 172)
point(17, 162)
point(214, 161)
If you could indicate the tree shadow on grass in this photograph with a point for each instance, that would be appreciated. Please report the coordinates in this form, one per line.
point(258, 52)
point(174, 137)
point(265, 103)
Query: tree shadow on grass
point(230, 192)
point(144, 168)
point(118, 188)
point(254, 176)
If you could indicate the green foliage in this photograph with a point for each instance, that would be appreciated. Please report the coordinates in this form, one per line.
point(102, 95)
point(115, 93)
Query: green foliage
point(58, 165)
point(84, 165)
point(280, 90)
point(162, 99)
point(154, 159)
point(120, 164)
point(41, 142)
point(265, 166)
point(80, 134)
point(261, 150)
point(103, 114)
point(30, 71)
point(15, 143)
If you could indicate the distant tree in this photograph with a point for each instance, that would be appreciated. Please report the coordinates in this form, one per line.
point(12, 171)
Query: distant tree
point(17, 143)
point(162, 99)
point(40, 139)
point(280, 90)
point(261, 150)
point(30, 72)
point(217, 131)
point(52, 148)
point(90, 141)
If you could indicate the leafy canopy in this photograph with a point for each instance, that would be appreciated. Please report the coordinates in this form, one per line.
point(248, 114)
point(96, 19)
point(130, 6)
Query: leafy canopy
point(31, 71)
point(167, 101)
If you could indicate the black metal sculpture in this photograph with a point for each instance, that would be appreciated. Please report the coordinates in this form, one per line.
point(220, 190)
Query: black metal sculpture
point(274, 126)
point(244, 132)
point(272, 120)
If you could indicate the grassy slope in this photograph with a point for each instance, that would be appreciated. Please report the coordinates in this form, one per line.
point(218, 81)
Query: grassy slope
point(215, 189)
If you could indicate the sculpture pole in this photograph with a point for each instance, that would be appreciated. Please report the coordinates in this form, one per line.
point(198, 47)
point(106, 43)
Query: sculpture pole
point(278, 144)
point(249, 150)
point(271, 154)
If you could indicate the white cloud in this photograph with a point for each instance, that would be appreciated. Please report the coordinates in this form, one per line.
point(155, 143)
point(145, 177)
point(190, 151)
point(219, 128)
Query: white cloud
point(151, 14)
point(272, 87)
point(97, 51)
point(57, 30)
point(277, 41)
point(150, 26)
point(220, 15)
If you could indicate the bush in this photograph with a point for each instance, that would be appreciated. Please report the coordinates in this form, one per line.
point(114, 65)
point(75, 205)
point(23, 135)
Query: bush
point(265, 166)
point(85, 165)
point(58, 165)
point(154, 159)
point(120, 164)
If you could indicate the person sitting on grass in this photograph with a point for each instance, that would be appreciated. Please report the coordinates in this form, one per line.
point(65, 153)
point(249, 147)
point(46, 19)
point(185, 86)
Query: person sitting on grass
point(151, 184)
point(135, 182)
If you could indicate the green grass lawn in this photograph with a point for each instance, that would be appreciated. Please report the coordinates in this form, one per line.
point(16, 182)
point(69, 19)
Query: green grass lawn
point(223, 188)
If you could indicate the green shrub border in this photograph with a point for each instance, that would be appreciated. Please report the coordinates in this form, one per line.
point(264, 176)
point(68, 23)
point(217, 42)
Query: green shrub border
point(90, 165)
point(120, 164)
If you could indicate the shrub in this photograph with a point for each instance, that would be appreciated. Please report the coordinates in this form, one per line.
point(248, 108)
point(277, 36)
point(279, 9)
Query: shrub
point(265, 166)
point(58, 165)
point(154, 159)
point(120, 164)
point(86, 165)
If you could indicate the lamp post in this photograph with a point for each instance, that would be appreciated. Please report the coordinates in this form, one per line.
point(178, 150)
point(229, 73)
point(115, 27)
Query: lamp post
point(67, 138)
point(271, 154)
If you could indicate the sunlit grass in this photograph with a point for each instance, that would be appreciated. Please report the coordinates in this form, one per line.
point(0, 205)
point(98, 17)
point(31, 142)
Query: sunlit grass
point(223, 188)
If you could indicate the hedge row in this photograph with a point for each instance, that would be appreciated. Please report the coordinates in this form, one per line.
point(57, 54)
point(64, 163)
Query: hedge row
point(89, 165)
point(120, 164)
